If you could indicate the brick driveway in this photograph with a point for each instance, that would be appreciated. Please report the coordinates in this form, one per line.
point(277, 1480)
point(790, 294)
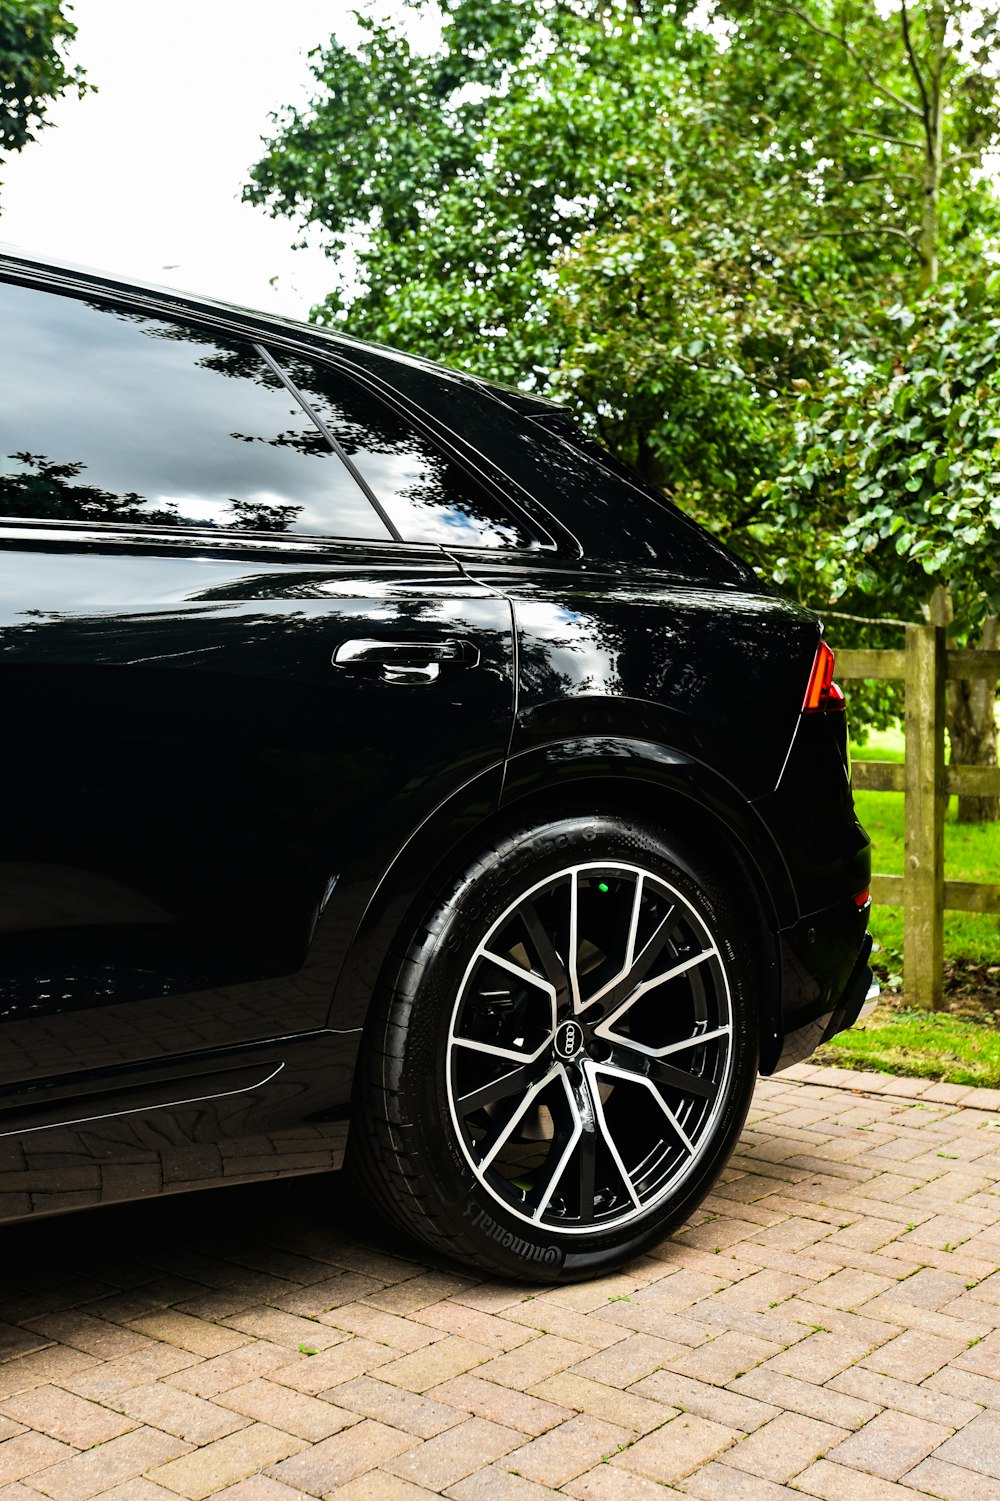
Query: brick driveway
point(826, 1327)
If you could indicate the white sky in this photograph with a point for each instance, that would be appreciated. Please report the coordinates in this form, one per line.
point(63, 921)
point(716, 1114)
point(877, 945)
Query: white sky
point(144, 177)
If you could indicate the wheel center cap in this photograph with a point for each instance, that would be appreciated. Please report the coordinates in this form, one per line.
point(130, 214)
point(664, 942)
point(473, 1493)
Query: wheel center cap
point(568, 1041)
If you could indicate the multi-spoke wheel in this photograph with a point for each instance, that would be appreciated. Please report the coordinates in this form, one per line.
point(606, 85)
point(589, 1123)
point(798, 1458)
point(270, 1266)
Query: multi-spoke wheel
point(567, 1054)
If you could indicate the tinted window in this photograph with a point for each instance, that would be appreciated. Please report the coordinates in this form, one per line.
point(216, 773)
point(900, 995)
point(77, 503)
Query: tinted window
point(110, 415)
point(426, 494)
point(613, 513)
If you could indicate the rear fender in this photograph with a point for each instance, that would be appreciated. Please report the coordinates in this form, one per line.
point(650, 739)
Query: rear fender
point(610, 775)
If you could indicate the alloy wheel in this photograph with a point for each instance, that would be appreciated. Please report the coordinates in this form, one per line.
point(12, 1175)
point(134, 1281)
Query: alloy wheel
point(590, 1048)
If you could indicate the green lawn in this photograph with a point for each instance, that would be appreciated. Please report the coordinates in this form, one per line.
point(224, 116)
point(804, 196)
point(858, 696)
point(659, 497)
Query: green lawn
point(927, 1044)
point(961, 1046)
point(971, 853)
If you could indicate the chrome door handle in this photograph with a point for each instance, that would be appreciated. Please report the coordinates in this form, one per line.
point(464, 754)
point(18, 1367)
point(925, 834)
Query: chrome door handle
point(406, 661)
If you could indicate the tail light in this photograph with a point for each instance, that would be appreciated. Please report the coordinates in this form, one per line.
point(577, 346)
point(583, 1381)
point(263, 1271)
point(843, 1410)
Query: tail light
point(822, 695)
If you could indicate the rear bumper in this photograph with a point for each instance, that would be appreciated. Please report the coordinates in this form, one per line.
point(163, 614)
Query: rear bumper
point(825, 981)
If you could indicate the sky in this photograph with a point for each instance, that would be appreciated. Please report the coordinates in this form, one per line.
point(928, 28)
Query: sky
point(143, 178)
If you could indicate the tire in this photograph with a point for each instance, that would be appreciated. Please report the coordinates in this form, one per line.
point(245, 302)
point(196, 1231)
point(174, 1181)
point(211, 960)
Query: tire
point(547, 1120)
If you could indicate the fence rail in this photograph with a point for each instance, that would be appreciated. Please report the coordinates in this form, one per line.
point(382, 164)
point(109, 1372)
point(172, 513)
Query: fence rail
point(924, 665)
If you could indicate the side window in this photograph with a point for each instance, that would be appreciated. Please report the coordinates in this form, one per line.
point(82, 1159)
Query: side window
point(427, 495)
point(111, 415)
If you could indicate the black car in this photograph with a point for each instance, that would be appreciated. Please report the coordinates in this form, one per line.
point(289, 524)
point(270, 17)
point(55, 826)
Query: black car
point(377, 751)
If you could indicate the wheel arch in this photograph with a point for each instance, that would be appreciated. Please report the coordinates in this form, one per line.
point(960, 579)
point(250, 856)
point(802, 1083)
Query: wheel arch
point(647, 781)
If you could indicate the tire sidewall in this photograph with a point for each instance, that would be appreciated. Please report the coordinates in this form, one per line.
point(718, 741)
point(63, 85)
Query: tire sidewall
point(459, 924)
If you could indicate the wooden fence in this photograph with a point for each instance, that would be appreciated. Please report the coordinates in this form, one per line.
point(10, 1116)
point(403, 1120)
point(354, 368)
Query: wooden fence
point(924, 665)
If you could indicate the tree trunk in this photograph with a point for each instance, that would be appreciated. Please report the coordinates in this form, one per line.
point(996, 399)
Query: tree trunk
point(972, 727)
point(933, 148)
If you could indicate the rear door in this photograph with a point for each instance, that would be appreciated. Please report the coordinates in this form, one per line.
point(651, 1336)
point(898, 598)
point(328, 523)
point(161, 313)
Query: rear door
point(234, 677)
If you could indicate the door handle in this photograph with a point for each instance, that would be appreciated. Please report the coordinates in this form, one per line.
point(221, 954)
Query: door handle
point(406, 661)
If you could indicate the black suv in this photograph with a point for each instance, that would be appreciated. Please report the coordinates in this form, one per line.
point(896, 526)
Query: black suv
point(379, 752)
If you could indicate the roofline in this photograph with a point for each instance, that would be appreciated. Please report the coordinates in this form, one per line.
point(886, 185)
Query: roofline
point(68, 273)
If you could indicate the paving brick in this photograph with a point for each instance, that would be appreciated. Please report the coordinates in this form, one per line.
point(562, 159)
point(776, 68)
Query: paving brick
point(281, 1407)
point(628, 1360)
point(378, 1485)
point(849, 1289)
point(512, 1409)
point(524, 1368)
point(316, 1373)
point(123, 1459)
point(967, 1385)
point(950, 1482)
point(568, 1323)
point(322, 1468)
point(494, 1483)
point(724, 1358)
point(919, 1401)
point(818, 1358)
point(447, 1357)
point(976, 1447)
point(636, 1413)
point(419, 1292)
point(93, 1336)
point(285, 1329)
point(207, 1378)
point(913, 1355)
point(190, 1418)
point(136, 1489)
point(395, 1406)
point(983, 1358)
point(890, 1444)
point(197, 1335)
point(668, 1389)
point(471, 1323)
point(104, 1380)
point(673, 1451)
point(27, 1453)
point(450, 1456)
point(720, 1482)
point(256, 1488)
point(833, 1482)
point(56, 1363)
point(319, 1297)
point(208, 1470)
point(389, 1329)
point(606, 1483)
point(784, 1447)
point(565, 1452)
point(801, 1396)
point(64, 1416)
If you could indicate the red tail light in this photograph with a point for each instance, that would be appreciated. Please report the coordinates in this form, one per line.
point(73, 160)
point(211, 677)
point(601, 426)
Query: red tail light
point(822, 695)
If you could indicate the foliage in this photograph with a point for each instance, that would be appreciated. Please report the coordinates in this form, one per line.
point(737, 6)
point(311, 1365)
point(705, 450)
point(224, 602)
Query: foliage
point(971, 853)
point(897, 458)
point(664, 225)
point(33, 69)
point(922, 1044)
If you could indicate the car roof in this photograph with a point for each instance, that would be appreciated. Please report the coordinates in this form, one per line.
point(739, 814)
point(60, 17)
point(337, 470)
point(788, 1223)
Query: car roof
point(61, 273)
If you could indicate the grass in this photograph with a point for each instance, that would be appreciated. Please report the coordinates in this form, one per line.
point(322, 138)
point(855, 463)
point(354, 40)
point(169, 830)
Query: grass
point(901, 1039)
point(971, 853)
point(962, 1045)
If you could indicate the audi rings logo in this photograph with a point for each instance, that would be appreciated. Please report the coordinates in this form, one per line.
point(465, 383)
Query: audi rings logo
point(569, 1040)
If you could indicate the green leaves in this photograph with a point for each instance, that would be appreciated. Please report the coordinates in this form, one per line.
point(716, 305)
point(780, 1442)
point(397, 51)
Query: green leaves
point(705, 248)
point(33, 70)
point(914, 487)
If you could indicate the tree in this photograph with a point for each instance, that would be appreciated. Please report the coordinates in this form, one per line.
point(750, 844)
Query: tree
point(896, 413)
point(894, 475)
point(33, 69)
point(671, 227)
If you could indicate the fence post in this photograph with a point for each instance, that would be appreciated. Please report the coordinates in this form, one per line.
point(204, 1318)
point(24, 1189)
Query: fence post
point(923, 868)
